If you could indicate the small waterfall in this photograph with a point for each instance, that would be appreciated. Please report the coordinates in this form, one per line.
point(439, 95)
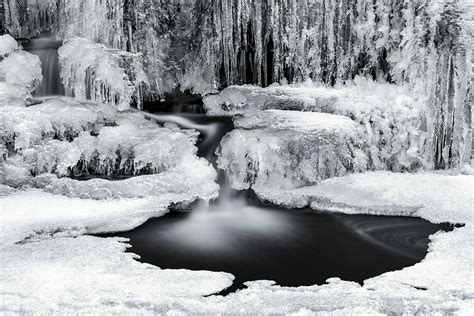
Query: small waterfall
point(212, 129)
point(46, 48)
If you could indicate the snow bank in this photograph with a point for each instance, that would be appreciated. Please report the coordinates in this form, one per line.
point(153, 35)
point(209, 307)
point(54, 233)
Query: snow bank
point(94, 276)
point(433, 196)
point(393, 120)
point(52, 273)
point(93, 71)
point(284, 149)
point(70, 207)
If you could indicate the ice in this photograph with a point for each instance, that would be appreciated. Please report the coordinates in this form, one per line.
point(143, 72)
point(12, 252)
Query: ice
point(14, 95)
point(21, 68)
point(396, 121)
point(27, 18)
point(23, 127)
point(285, 149)
point(7, 45)
point(123, 150)
point(93, 71)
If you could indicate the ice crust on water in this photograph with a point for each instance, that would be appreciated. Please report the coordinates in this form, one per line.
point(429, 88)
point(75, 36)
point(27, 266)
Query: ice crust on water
point(283, 149)
point(94, 71)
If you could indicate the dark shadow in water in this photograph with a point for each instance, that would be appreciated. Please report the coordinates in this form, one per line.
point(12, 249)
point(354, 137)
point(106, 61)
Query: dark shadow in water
point(239, 235)
point(291, 247)
point(176, 101)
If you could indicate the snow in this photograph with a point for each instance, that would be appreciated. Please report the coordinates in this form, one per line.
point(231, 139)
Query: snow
point(94, 276)
point(438, 197)
point(7, 45)
point(93, 71)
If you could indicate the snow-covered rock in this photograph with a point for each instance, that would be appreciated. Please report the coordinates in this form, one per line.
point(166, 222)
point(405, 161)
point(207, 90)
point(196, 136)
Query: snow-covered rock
point(286, 149)
point(93, 71)
point(393, 120)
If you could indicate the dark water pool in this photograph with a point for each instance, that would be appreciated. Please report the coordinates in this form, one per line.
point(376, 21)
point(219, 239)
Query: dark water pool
point(291, 247)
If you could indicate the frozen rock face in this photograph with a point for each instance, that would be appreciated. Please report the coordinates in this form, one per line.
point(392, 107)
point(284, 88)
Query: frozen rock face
point(393, 123)
point(93, 71)
point(285, 149)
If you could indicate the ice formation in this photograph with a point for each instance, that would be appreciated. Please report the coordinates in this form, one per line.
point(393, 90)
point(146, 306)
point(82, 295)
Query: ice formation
point(18, 67)
point(397, 122)
point(285, 149)
point(7, 45)
point(93, 71)
point(425, 44)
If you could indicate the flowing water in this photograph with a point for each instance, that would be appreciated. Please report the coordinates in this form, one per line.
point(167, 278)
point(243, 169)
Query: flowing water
point(237, 234)
point(46, 48)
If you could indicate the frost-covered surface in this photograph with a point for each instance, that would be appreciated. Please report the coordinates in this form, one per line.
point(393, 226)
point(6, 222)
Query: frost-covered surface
point(286, 149)
point(93, 71)
point(49, 272)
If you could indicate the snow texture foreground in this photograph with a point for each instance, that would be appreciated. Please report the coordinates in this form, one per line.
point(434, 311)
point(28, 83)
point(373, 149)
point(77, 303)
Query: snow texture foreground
point(61, 271)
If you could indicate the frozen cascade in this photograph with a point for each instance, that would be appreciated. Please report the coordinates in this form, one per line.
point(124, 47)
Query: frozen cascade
point(427, 44)
point(96, 72)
